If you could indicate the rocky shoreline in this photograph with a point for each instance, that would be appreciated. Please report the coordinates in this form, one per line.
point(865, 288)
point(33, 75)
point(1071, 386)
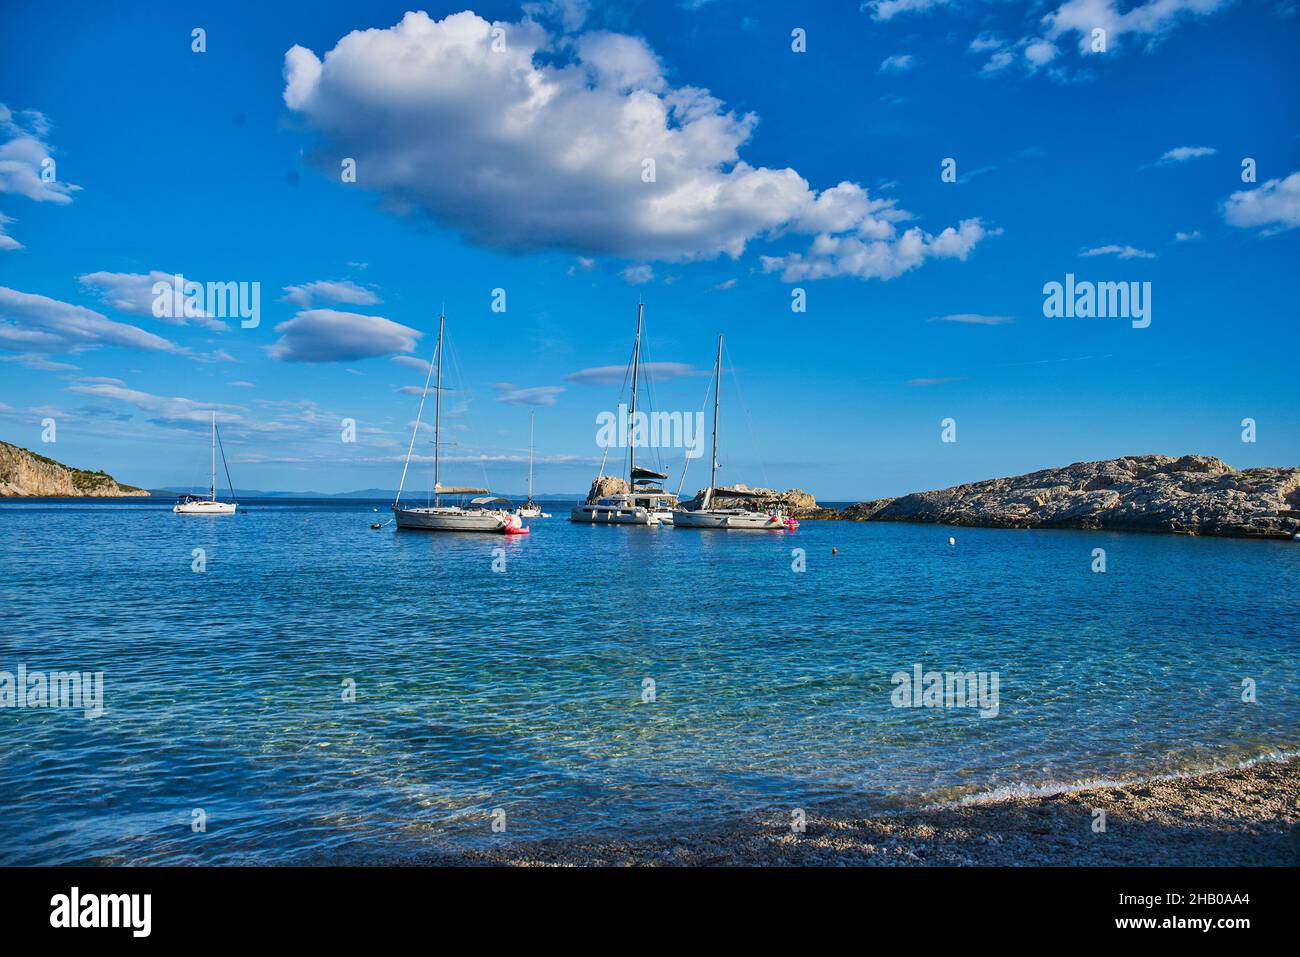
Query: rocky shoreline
point(1191, 495)
point(24, 473)
point(1241, 816)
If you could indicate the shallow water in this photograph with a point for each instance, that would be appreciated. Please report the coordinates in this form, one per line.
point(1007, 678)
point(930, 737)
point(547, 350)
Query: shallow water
point(522, 689)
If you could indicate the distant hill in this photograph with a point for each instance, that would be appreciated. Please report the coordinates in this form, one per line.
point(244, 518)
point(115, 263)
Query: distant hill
point(382, 494)
point(27, 473)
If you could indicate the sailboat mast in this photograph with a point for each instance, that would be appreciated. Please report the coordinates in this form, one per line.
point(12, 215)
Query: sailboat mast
point(437, 410)
point(214, 455)
point(531, 421)
point(717, 388)
point(631, 425)
point(419, 415)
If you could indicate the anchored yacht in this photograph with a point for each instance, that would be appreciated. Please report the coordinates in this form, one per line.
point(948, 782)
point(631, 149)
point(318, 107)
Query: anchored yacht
point(484, 514)
point(193, 504)
point(708, 517)
point(647, 503)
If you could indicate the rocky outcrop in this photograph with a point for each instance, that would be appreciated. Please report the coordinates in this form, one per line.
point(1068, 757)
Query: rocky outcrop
point(795, 501)
point(23, 472)
point(1194, 495)
point(604, 486)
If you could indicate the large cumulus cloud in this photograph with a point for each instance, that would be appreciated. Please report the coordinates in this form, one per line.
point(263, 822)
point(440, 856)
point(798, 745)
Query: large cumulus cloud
point(522, 140)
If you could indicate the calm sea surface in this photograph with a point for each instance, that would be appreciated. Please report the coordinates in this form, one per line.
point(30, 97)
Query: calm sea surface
point(522, 689)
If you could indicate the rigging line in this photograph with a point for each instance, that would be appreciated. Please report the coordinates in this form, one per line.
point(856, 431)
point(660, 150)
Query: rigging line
point(223, 463)
point(650, 402)
point(460, 387)
point(415, 430)
point(749, 424)
point(686, 459)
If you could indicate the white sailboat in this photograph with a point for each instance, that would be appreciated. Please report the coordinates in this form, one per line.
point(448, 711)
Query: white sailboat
point(481, 516)
point(192, 504)
point(530, 509)
point(646, 504)
point(708, 517)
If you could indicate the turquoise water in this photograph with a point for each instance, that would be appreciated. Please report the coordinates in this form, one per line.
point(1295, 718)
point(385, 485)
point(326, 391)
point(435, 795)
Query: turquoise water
point(522, 689)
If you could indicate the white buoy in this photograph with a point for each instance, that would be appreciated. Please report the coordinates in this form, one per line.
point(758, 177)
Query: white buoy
point(952, 541)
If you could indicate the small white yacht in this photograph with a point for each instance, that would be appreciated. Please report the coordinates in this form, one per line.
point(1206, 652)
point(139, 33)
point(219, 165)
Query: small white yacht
point(484, 514)
point(193, 504)
point(646, 503)
point(706, 516)
point(530, 509)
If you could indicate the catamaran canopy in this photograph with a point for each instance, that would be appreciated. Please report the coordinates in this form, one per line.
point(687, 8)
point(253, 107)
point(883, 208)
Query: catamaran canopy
point(737, 493)
point(460, 490)
point(646, 475)
point(489, 500)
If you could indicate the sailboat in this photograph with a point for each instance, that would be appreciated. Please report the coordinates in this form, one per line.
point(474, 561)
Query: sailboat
point(709, 517)
point(530, 509)
point(645, 503)
point(192, 504)
point(484, 513)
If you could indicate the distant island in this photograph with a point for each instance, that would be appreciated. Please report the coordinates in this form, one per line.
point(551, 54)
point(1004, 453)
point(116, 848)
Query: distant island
point(1191, 495)
point(26, 473)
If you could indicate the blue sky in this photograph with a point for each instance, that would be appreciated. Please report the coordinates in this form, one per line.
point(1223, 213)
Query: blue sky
point(520, 169)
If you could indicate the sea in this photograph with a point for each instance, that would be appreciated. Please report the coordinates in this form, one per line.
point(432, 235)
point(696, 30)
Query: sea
point(289, 685)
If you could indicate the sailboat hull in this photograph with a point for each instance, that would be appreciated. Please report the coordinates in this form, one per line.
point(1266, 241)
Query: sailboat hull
point(446, 519)
point(729, 518)
point(592, 514)
point(204, 508)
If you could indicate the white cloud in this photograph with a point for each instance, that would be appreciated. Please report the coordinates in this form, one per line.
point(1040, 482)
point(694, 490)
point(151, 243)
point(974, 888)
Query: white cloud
point(411, 362)
point(166, 409)
point(938, 380)
point(1123, 252)
point(986, 42)
point(1040, 53)
point(898, 63)
point(537, 395)
point(30, 361)
point(1274, 206)
point(877, 257)
point(1151, 19)
point(888, 9)
point(1181, 237)
point(542, 144)
point(23, 156)
point(1181, 154)
point(638, 275)
point(613, 375)
point(726, 284)
point(133, 293)
point(330, 290)
point(327, 335)
point(974, 319)
point(32, 323)
point(999, 62)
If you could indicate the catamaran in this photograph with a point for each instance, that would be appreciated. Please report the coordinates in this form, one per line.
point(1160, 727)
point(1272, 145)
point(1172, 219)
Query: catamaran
point(193, 505)
point(530, 509)
point(708, 517)
point(646, 503)
point(484, 514)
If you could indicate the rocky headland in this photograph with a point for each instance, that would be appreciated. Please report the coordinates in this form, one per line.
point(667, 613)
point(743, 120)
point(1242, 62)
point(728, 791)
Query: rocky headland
point(1192, 495)
point(25, 473)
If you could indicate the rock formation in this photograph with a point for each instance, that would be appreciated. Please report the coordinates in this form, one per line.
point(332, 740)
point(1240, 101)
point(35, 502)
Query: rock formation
point(23, 472)
point(1194, 495)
